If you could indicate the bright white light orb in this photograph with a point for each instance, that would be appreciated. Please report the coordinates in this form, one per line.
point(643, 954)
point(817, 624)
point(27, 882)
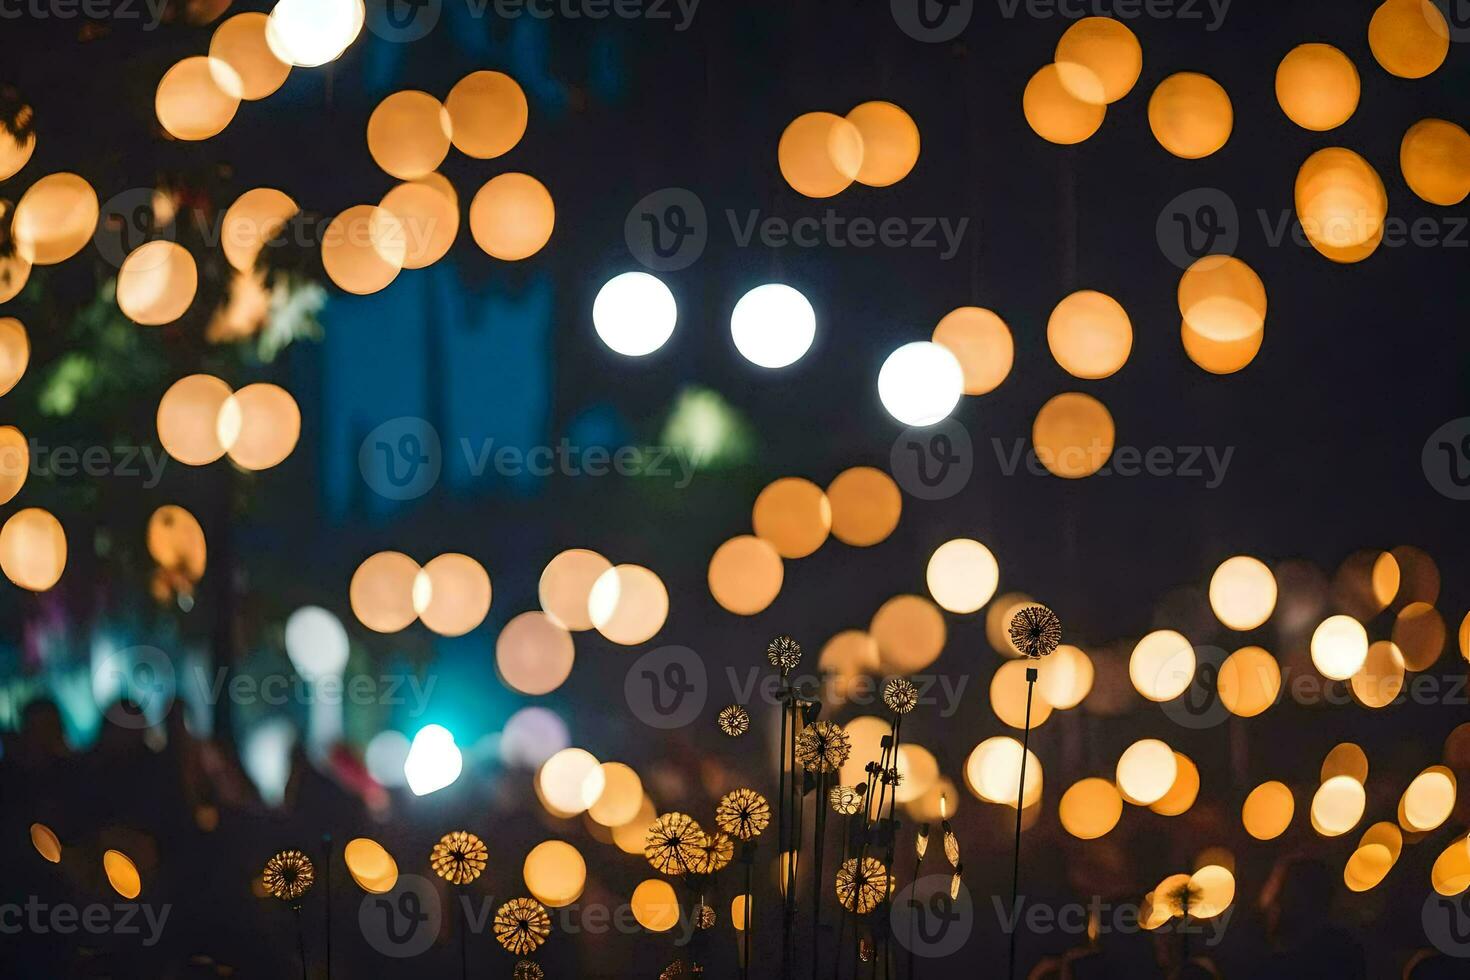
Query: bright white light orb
point(316, 643)
point(634, 313)
point(921, 383)
point(773, 325)
point(433, 762)
point(310, 33)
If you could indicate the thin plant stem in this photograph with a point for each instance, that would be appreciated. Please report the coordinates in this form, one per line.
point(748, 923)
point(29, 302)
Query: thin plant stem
point(819, 833)
point(301, 942)
point(464, 928)
point(782, 836)
point(1031, 674)
point(745, 966)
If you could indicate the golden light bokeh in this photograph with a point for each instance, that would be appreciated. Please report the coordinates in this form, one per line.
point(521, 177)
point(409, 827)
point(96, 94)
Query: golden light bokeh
point(512, 217)
point(918, 772)
point(188, 419)
point(1268, 810)
point(241, 44)
point(1435, 159)
point(44, 840)
point(157, 283)
point(1450, 875)
point(1091, 808)
point(847, 656)
point(1190, 115)
point(866, 733)
point(1249, 682)
point(1409, 38)
point(566, 583)
point(982, 343)
point(1243, 592)
point(890, 143)
point(571, 781)
point(1386, 835)
point(382, 592)
point(737, 911)
point(1214, 890)
point(1183, 792)
point(1146, 772)
point(1429, 800)
point(1222, 299)
point(1056, 114)
point(1317, 87)
point(866, 505)
point(1008, 696)
point(259, 426)
point(1090, 335)
point(459, 594)
point(364, 248)
point(1162, 665)
point(1220, 356)
point(15, 462)
point(1339, 647)
point(197, 98)
point(428, 210)
point(993, 772)
point(408, 134)
point(555, 873)
point(820, 154)
point(488, 114)
point(534, 654)
point(33, 549)
point(1073, 435)
point(1419, 579)
point(1337, 806)
point(745, 575)
point(371, 866)
point(910, 633)
point(15, 272)
point(122, 874)
point(962, 575)
point(1345, 759)
point(655, 905)
point(255, 218)
point(628, 604)
point(631, 837)
point(1420, 634)
point(1465, 636)
point(176, 541)
point(1381, 678)
point(15, 353)
point(622, 796)
point(14, 153)
point(1065, 678)
point(310, 33)
point(1367, 867)
point(1108, 50)
point(56, 216)
point(794, 515)
point(998, 621)
point(1341, 203)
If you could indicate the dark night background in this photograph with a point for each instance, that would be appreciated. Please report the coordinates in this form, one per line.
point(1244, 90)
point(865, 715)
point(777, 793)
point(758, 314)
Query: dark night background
point(1360, 364)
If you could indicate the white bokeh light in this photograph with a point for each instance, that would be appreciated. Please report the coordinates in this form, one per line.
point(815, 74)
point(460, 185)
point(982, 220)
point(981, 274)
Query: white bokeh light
point(433, 762)
point(634, 313)
point(309, 33)
point(921, 383)
point(316, 643)
point(773, 325)
point(385, 757)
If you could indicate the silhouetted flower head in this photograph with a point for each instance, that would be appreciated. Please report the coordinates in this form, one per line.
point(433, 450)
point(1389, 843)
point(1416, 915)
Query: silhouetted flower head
point(459, 857)
point(673, 844)
point(288, 875)
point(1036, 631)
point(784, 653)
point(822, 747)
point(522, 925)
point(734, 720)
